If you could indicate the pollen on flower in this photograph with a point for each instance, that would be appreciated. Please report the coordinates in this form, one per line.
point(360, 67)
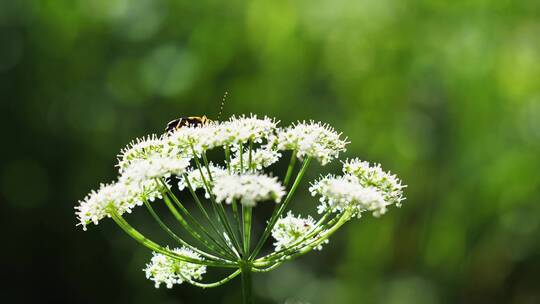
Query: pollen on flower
point(312, 139)
point(290, 230)
point(166, 270)
point(248, 188)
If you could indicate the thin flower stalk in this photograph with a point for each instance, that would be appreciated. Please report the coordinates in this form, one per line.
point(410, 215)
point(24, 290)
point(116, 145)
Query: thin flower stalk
point(218, 208)
point(179, 239)
point(157, 248)
point(207, 240)
point(278, 211)
point(215, 284)
point(222, 239)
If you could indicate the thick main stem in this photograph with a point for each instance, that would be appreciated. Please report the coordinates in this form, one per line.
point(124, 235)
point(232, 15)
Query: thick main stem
point(247, 286)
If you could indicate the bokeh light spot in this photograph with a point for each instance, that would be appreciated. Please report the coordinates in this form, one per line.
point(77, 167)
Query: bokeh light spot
point(169, 70)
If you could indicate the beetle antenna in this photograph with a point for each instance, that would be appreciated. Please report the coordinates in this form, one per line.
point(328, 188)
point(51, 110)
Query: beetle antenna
point(222, 104)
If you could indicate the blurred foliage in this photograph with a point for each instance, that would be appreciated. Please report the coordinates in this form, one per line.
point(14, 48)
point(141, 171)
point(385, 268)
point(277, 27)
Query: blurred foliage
point(445, 93)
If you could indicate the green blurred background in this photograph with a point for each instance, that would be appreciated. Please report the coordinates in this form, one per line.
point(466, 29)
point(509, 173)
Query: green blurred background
point(444, 93)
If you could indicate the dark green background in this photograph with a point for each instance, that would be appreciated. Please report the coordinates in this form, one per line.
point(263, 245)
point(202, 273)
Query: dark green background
point(444, 93)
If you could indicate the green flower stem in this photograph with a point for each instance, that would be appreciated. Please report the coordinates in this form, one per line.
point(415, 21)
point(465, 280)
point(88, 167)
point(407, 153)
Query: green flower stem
point(345, 217)
point(237, 220)
point(205, 241)
point(203, 210)
point(178, 239)
point(218, 208)
point(186, 212)
point(235, 210)
point(290, 169)
point(250, 155)
point(228, 229)
point(225, 249)
point(246, 217)
point(228, 158)
point(157, 248)
point(267, 269)
point(196, 158)
point(247, 287)
point(198, 202)
point(207, 164)
point(241, 151)
point(215, 284)
point(278, 211)
point(247, 212)
point(318, 227)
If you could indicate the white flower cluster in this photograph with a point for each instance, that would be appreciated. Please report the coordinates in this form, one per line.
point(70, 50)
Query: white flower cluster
point(244, 128)
point(141, 148)
point(147, 165)
point(195, 138)
point(136, 184)
point(237, 130)
point(374, 176)
point(290, 229)
point(195, 177)
point(248, 188)
point(362, 188)
point(260, 158)
point(163, 269)
point(122, 196)
point(313, 139)
point(147, 160)
point(142, 170)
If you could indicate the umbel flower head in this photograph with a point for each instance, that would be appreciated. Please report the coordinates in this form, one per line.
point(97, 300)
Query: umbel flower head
point(247, 188)
point(213, 201)
point(291, 229)
point(163, 269)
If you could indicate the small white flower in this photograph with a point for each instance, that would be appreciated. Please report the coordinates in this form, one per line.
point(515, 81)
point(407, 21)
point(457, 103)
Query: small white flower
point(248, 188)
point(339, 193)
point(141, 148)
point(316, 140)
point(120, 195)
point(196, 179)
point(198, 138)
point(374, 176)
point(291, 229)
point(260, 158)
point(163, 269)
point(142, 170)
point(219, 134)
point(244, 128)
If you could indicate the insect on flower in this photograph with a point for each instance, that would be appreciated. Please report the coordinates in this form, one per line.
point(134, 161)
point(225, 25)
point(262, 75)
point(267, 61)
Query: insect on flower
point(196, 121)
point(222, 235)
